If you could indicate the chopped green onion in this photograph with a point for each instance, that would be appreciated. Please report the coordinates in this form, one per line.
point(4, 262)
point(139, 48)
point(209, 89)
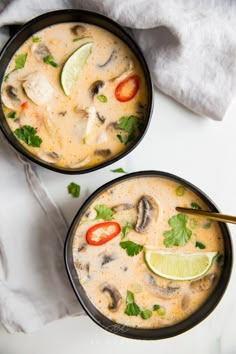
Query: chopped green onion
point(195, 205)
point(50, 60)
point(180, 191)
point(102, 98)
point(36, 39)
point(200, 245)
point(80, 38)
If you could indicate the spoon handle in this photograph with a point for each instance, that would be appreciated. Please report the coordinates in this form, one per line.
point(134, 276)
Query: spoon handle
point(209, 214)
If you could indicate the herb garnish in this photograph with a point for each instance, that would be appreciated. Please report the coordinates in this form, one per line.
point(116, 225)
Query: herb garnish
point(19, 64)
point(36, 39)
point(126, 229)
point(28, 135)
point(146, 314)
point(11, 115)
point(80, 38)
point(119, 170)
point(195, 205)
point(193, 223)
point(159, 309)
point(200, 245)
point(50, 60)
point(180, 234)
point(132, 309)
point(102, 98)
point(180, 191)
point(74, 189)
point(130, 124)
point(104, 212)
point(132, 248)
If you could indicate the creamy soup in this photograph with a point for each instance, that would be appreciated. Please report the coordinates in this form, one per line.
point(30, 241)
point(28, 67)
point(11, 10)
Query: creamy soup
point(75, 95)
point(110, 252)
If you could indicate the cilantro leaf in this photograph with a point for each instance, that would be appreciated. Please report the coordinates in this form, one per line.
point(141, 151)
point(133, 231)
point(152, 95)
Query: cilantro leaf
point(132, 248)
point(119, 170)
point(28, 135)
point(74, 189)
point(20, 61)
point(195, 205)
point(36, 39)
point(200, 245)
point(50, 60)
point(19, 64)
point(130, 124)
point(180, 234)
point(126, 229)
point(11, 115)
point(132, 309)
point(104, 212)
point(146, 314)
point(156, 307)
point(102, 98)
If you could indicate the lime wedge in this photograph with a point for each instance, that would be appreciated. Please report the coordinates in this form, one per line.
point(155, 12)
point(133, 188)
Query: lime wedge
point(73, 66)
point(178, 266)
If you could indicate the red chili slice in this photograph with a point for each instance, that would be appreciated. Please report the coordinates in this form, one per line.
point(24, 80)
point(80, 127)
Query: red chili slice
point(103, 232)
point(24, 105)
point(127, 88)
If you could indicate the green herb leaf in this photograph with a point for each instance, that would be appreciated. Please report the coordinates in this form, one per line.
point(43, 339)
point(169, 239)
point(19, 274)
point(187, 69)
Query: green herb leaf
point(80, 38)
point(28, 135)
point(130, 124)
point(103, 212)
point(36, 39)
point(146, 314)
point(207, 225)
point(102, 98)
point(50, 60)
point(180, 234)
point(6, 77)
point(195, 205)
point(126, 229)
point(220, 259)
point(11, 115)
point(200, 245)
point(20, 61)
point(132, 309)
point(74, 189)
point(156, 307)
point(132, 248)
point(119, 170)
point(180, 191)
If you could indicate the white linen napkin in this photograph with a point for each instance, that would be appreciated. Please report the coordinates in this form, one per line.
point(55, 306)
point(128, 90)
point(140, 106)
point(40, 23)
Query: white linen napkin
point(34, 288)
point(190, 45)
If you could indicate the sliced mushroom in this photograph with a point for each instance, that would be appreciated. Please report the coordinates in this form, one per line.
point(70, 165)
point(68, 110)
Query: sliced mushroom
point(121, 207)
point(51, 157)
point(10, 98)
point(78, 30)
point(113, 53)
point(103, 152)
point(107, 258)
point(113, 295)
point(95, 87)
point(203, 283)
point(40, 51)
point(147, 212)
point(37, 88)
point(167, 292)
point(100, 117)
point(82, 248)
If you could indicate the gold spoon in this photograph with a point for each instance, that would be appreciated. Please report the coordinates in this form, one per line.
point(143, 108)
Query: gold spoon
point(209, 214)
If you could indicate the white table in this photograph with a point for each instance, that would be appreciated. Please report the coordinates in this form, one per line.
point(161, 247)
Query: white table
point(195, 148)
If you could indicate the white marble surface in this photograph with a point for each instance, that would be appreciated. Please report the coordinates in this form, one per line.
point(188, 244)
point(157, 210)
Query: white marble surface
point(195, 148)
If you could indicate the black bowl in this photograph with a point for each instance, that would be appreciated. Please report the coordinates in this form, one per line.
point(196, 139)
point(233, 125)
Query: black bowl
point(55, 17)
point(141, 333)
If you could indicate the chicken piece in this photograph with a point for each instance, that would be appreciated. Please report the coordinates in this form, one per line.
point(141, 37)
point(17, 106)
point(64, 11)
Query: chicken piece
point(37, 88)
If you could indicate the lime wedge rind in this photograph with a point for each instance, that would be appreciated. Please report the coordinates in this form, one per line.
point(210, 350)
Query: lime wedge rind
point(73, 66)
point(178, 266)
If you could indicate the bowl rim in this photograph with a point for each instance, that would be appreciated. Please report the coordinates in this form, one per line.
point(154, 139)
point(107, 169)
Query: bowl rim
point(149, 333)
point(124, 36)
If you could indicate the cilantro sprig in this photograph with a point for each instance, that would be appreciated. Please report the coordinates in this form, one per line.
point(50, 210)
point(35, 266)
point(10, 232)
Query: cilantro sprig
point(104, 212)
point(132, 308)
point(119, 170)
point(130, 124)
point(28, 135)
point(20, 61)
point(74, 189)
point(126, 228)
point(180, 233)
point(132, 248)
